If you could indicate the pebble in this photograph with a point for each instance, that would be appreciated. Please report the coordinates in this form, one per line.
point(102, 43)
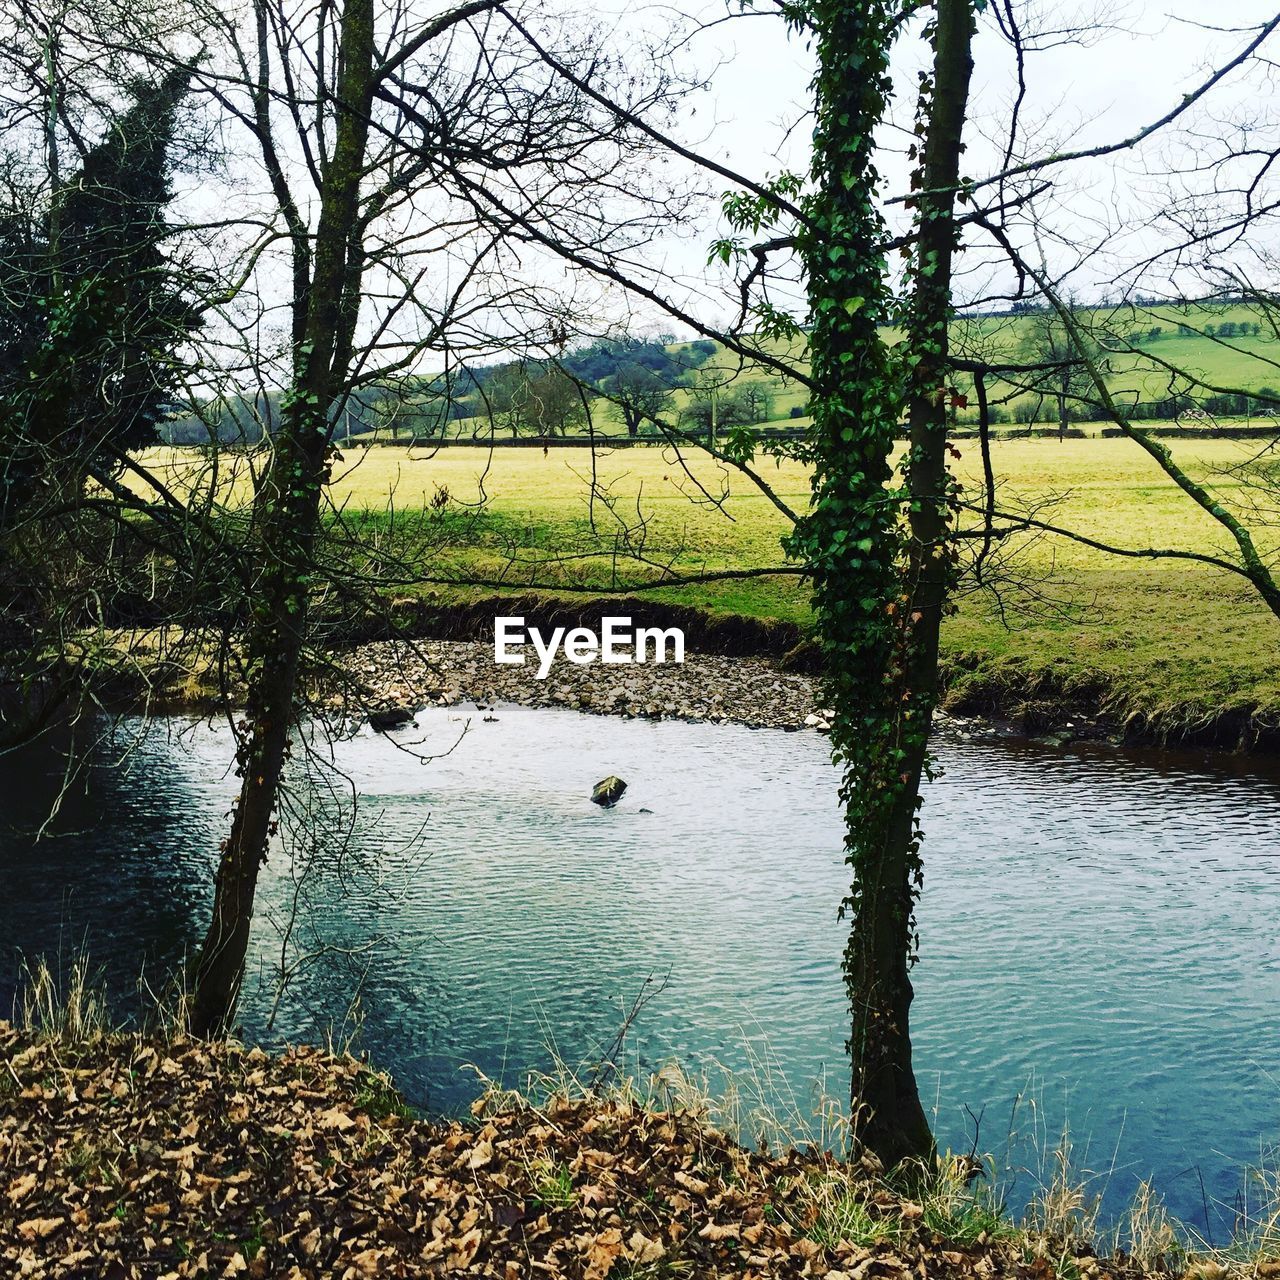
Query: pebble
point(749, 691)
point(755, 692)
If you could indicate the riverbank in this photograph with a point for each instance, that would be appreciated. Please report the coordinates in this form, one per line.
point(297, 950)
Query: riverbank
point(128, 1157)
point(758, 692)
point(1155, 650)
point(738, 670)
point(766, 672)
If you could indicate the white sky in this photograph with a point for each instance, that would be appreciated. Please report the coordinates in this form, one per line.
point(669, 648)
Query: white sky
point(1136, 65)
point(1129, 74)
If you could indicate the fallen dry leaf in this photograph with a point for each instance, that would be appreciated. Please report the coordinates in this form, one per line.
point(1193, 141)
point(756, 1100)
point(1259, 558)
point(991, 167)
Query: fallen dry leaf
point(335, 1118)
point(294, 1178)
point(21, 1187)
point(719, 1231)
point(642, 1251)
point(38, 1228)
point(601, 1253)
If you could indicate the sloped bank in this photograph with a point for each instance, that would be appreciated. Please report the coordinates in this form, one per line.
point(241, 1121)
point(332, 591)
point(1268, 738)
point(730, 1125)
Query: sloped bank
point(433, 617)
point(128, 1158)
point(755, 671)
point(1061, 703)
point(766, 672)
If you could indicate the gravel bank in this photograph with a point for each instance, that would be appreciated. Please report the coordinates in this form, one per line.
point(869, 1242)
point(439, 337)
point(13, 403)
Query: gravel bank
point(752, 691)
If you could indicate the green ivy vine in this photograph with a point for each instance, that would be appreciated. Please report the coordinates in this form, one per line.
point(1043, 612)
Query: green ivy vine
point(855, 536)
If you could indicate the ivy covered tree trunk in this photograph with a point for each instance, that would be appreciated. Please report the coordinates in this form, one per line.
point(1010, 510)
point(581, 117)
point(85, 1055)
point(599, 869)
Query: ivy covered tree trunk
point(930, 559)
point(288, 516)
point(877, 547)
point(92, 314)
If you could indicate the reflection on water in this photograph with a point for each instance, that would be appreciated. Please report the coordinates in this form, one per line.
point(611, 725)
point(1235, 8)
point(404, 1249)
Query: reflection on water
point(1099, 928)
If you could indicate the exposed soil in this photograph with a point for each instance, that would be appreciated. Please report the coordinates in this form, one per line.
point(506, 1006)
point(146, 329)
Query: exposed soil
point(758, 672)
point(733, 635)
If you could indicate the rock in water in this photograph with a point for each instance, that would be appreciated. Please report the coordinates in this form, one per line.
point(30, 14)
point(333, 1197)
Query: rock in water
point(607, 793)
point(392, 718)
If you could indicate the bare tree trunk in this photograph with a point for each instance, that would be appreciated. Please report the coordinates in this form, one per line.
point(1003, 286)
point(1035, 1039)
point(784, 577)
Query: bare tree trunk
point(52, 166)
point(288, 512)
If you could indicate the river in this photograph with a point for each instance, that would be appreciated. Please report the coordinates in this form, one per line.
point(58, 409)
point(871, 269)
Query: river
point(1099, 927)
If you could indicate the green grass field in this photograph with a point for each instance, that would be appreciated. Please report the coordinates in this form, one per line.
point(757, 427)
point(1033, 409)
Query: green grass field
point(1186, 337)
point(1173, 641)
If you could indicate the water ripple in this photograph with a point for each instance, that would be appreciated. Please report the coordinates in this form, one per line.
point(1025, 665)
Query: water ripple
point(1099, 928)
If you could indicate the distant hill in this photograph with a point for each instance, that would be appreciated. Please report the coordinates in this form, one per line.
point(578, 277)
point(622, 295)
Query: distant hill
point(239, 420)
point(1228, 345)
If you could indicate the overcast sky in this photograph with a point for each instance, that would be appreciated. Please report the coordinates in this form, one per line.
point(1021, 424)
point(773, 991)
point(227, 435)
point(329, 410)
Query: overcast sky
point(1130, 72)
point(1137, 61)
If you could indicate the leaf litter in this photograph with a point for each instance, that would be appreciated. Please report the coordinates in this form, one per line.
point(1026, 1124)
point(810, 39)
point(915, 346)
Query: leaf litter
point(124, 1159)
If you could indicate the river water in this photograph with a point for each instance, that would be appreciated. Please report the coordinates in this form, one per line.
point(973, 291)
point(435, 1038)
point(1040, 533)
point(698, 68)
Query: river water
point(1100, 929)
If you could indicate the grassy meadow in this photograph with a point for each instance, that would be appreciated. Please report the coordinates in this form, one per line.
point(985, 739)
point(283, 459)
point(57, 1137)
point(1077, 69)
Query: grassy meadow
point(1187, 337)
point(1172, 640)
point(1212, 342)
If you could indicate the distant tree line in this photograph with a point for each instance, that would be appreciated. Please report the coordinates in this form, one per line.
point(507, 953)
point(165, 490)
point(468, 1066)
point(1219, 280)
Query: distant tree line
point(553, 397)
point(535, 396)
point(1037, 306)
point(248, 419)
point(1044, 408)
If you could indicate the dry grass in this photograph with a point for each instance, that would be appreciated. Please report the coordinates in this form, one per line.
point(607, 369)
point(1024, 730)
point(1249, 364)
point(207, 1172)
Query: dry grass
point(961, 1199)
point(72, 1010)
point(67, 1005)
